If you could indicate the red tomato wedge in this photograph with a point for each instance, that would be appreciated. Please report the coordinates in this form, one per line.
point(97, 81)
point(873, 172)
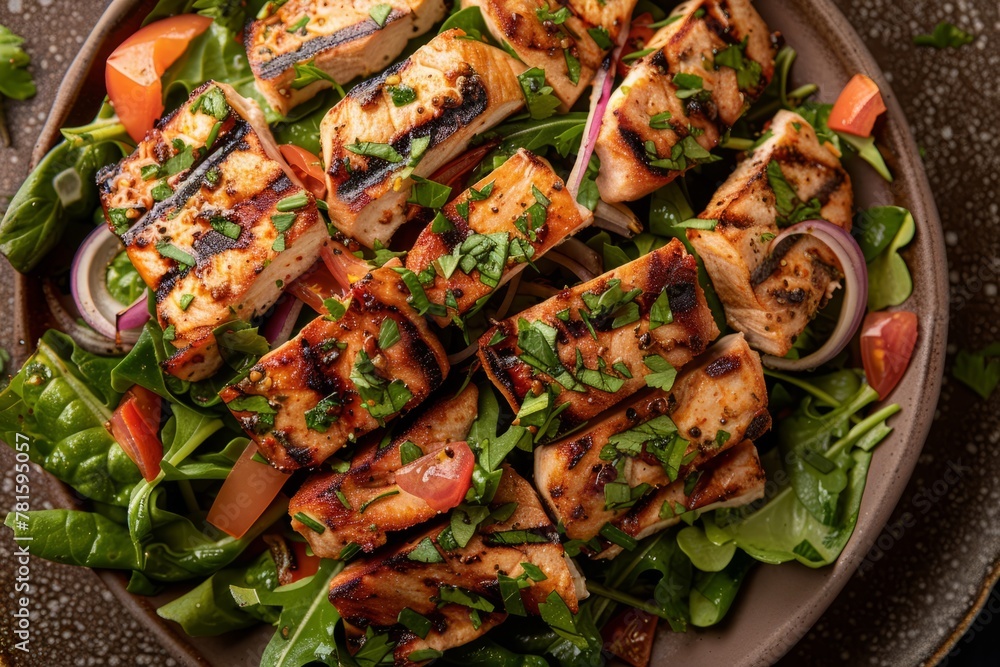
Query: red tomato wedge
point(246, 493)
point(305, 565)
point(135, 426)
point(440, 478)
point(887, 341)
point(307, 167)
point(629, 636)
point(133, 70)
point(639, 34)
point(859, 104)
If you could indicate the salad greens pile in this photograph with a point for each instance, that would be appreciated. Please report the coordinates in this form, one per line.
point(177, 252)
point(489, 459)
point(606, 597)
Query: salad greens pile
point(817, 457)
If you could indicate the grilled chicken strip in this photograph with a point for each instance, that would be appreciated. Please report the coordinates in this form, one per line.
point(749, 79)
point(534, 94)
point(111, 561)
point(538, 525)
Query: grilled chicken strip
point(543, 35)
point(771, 298)
point(371, 478)
point(213, 220)
point(344, 40)
point(732, 479)
point(680, 99)
point(593, 345)
point(608, 14)
point(657, 439)
point(517, 213)
point(333, 382)
point(374, 139)
point(371, 593)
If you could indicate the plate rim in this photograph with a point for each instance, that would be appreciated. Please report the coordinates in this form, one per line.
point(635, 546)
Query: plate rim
point(906, 161)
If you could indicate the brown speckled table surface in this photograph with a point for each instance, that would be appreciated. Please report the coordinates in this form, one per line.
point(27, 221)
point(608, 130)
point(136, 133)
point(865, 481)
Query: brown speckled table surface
point(922, 583)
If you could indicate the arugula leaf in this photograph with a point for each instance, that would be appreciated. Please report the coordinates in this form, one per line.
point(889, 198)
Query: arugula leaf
point(538, 96)
point(944, 36)
point(980, 371)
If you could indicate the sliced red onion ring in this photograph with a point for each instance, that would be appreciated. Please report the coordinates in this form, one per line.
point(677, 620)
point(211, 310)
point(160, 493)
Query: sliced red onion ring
point(852, 261)
point(603, 84)
point(573, 266)
point(88, 283)
point(581, 253)
point(617, 218)
point(280, 325)
point(134, 316)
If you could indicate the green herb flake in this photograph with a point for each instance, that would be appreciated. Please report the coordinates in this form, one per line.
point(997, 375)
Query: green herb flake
point(309, 522)
point(425, 552)
point(376, 150)
point(380, 13)
point(170, 251)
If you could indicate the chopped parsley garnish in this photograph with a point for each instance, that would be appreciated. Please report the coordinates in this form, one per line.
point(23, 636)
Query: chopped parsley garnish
point(388, 333)
point(748, 72)
point(428, 193)
point(170, 251)
point(409, 452)
point(376, 150)
point(662, 375)
point(161, 191)
point(659, 312)
point(418, 297)
point(691, 86)
point(299, 25)
point(557, 17)
point(213, 103)
point(380, 13)
point(601, 37)
point(380, 397)
point(425, 552)
point(226, 228)
point(661, 120)
point(416, 623)
point(537, 341)
point(324, 414)
point(402, 94)
point(538, 97)
point(683, 154)
point(119, 220)
point(790, 208)
point(292, 202)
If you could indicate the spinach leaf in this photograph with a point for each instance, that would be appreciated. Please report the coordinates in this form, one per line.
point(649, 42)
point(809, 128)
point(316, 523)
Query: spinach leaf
point(123, 281)
point(15, 81)
point(712, 593)
point(59, 191)
point(61, 399)
point(209, 609)
point(307, 622)
point(980, 371)
point(889, 280)
point(184, 432)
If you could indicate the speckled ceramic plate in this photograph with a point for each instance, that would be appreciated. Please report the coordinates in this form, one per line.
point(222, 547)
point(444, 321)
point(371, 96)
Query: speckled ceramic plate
point(779, 603)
